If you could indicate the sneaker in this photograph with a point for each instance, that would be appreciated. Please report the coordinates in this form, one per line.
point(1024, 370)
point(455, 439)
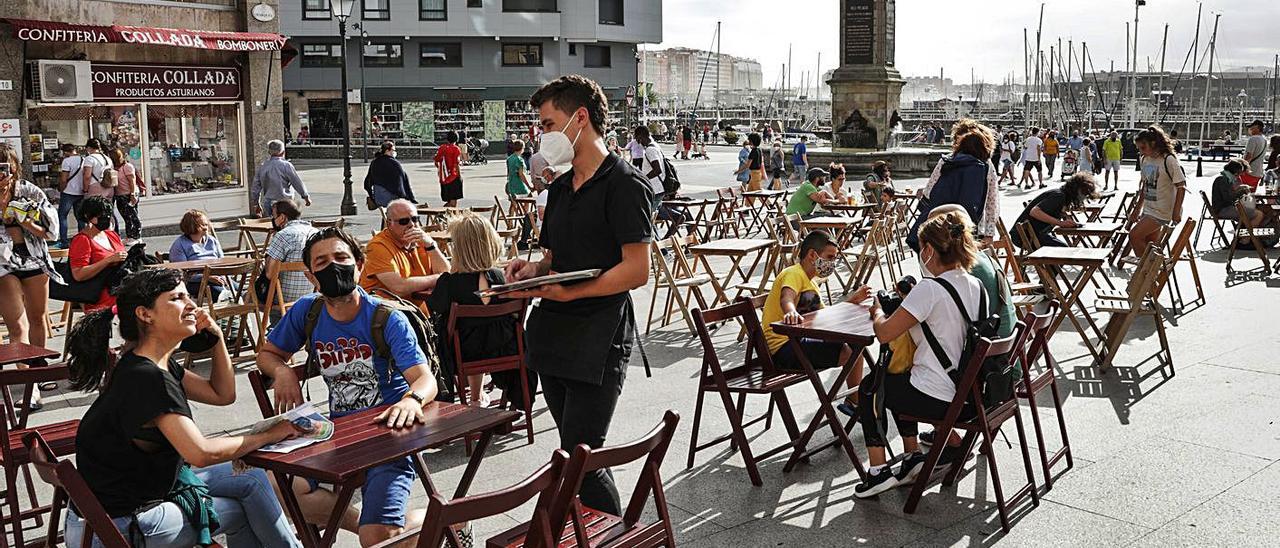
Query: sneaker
point(848, 408)
point(466, 536)
point(876, 483)
point(926, 438)
point(949, 455)
point(910, 468)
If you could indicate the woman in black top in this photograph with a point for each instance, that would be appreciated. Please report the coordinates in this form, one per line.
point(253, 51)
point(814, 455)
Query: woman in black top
point(386, 180)
point(755, 164)
point(1227, 190)
point(1052, 209)
point(476, 248)
point(136, 440)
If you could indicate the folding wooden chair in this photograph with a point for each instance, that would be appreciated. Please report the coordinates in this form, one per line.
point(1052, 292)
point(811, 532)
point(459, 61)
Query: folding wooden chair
point(1127, 215)
point(678, 277)
point(1180, 250)
point(237, 310)
point(337, 222)
point(757, 376)
point(1219, 234)
point(728, 214)
point(242, 248)
point(1036, 346)
point(512, 311)
point(1138, 298)
point(1245, 229)
point(982, 423)
point(275, 295)
point(14, 457)
point(574, 524)
point(69, 486)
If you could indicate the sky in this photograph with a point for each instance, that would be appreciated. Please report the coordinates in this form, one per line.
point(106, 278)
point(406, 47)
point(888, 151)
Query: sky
point(929, 32)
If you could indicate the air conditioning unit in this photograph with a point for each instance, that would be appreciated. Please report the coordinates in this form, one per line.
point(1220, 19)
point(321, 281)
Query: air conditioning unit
point(61, 81)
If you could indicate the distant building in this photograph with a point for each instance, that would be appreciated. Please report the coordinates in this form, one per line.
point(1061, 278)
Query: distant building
point(679, 72)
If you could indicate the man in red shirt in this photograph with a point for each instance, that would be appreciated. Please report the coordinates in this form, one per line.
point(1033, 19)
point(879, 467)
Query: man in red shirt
point(448, 165)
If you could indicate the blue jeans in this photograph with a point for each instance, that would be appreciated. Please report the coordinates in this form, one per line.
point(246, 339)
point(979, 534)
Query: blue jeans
point(247, 510)
point(383, 196)
point(67, 203)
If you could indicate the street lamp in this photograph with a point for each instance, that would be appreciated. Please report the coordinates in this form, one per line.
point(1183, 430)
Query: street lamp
point(341, 11)
point(1092, 95)
point(1241, 96)
point(364, 113)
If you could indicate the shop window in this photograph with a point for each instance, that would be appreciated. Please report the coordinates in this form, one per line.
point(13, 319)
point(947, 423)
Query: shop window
point(518, 55)
point(611, 12)
point(433, 10)
point(192, 148)
point(383, 54)
point(321, 55)
point(440, 54)
point(596, 57)
point(376, 10)
point(528, 5)
point(316, 9)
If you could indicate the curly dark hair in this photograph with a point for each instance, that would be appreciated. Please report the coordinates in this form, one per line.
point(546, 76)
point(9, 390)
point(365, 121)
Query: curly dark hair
point(88, 341)
point(357, 251)
point(1080, 187)
point(572, 92)
point(1157, 139)
point(93, 207)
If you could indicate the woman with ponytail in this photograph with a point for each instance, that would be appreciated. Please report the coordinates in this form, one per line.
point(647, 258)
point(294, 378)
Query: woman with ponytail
point(1162, 190)
point(159, 478)
point(947, 253)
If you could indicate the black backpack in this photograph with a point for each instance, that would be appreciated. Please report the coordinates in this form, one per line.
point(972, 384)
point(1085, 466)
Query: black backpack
point(670, 179)
point(418, 323)
point(998, 374)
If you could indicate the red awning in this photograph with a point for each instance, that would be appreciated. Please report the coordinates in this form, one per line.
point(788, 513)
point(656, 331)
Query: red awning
point(49, 31)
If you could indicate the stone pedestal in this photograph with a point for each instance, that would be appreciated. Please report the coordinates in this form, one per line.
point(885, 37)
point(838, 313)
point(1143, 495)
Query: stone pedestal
point(866, 88)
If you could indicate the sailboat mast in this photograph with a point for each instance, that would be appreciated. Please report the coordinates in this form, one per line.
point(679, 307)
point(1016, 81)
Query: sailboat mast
point(1208, 81)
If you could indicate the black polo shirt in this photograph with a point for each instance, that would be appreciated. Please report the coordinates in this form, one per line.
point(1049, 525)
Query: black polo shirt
point(585, 229)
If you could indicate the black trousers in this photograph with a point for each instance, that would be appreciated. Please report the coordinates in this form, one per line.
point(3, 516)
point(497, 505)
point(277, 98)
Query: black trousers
point(899, 397)
point(582, 412)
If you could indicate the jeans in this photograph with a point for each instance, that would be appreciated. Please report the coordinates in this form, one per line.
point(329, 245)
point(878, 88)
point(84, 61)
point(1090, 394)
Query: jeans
point(246, 506)
point(67, 203)
point(129, 212)
point(382, 196)
point(582, 412)
point(1049, 161)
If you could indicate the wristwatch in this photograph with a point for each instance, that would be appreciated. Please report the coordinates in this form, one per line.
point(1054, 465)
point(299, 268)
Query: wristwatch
point(422, 400)
point(430, 248)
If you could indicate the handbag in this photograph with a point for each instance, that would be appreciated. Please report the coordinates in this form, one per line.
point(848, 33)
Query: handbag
point(370, 203)
point(72, 291)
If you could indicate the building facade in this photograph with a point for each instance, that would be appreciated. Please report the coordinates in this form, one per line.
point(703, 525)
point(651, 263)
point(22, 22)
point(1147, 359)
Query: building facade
point(190, 98)
point(679, 73)
point(424, 67)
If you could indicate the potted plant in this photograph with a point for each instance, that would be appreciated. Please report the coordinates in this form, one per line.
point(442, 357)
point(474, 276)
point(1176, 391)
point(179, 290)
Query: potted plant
point(731, 137)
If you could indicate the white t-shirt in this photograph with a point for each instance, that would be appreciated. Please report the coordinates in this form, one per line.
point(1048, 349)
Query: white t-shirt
point(98, 162)
point(539, 205)
point(1256, 148)
point(1007, 150)
point(1031, 149)
point(653, 154)
point(930, 302)
point(75, 179)
point(636, 149)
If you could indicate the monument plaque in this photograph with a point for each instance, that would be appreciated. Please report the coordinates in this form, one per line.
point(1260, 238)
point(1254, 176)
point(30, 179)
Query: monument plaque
point(866, 88)
point(859, 32)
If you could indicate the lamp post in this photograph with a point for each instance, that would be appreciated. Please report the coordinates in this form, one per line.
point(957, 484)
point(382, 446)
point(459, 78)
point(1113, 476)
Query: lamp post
point(364, 113)
point(1092, 95)
point(1241, 96)
point(341, 11)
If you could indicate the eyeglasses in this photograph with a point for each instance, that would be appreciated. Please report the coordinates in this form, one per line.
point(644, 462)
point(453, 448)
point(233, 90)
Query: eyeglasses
point(406, 221)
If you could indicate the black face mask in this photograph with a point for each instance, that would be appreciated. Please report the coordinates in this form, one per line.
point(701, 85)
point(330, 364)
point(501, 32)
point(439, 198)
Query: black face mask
point(102, 223)
point(337, 280)
point(275, 225)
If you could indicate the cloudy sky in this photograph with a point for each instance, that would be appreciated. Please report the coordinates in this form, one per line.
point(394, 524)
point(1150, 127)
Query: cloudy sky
point(982, 35)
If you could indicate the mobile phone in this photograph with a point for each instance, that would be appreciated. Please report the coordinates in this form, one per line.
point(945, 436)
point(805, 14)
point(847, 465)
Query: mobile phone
point(4, 168)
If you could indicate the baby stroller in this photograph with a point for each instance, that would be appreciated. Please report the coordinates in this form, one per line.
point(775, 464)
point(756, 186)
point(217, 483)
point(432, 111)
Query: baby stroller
point(1070, 162)
point(475, 151)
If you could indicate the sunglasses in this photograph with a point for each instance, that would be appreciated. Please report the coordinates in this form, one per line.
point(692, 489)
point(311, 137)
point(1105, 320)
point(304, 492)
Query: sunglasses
point(406, 221)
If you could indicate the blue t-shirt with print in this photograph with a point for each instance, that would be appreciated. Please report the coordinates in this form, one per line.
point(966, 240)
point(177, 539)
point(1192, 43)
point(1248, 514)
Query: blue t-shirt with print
point(357, 379)
point(797, 154)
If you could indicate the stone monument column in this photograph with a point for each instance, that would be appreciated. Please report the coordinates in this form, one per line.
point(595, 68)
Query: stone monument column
point(865, 90)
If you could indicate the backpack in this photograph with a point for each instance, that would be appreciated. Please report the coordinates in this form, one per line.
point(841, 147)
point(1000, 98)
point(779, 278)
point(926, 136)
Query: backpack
point(418, 323)
point(998, 375)
point(670, 179)
point(109, 177)
point(956, 185)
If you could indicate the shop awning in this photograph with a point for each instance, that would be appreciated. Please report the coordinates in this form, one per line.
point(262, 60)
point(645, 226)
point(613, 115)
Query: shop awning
point(50, 31)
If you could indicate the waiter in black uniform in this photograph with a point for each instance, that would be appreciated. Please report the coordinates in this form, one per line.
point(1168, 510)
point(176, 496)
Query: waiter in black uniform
point(598, 215)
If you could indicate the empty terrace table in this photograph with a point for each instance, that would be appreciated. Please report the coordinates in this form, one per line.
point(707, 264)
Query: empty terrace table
point(841, 228)
point(359, 443)
point(758, 205)
point(1091, 234)
point(1049, 262)
point(846, 323)
point(736, 250)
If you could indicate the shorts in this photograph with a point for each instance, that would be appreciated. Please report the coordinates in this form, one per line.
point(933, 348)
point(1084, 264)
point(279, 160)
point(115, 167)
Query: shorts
point(1113, 165)
point(821, 355)
point(451, 191)
point(1155, 218)
point(385, 493)
point(1028, 164)
point(1005, 163)
point(25, 274)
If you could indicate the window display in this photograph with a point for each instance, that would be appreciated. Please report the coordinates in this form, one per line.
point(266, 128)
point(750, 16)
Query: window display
point(192, 148)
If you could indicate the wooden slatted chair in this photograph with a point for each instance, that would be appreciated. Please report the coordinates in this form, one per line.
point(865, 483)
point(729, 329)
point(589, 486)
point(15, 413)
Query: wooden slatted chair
point(242, 248)
point(239, 311)
point(678, 277)
point(1127, 215)
point(337, 222)
point(981, 427)
point(1207, 213)
point(14, 456)
point(1244, 229)
point(275, 295)
point(69, 486)
point(1137, 299)
point(757, 376)
point(870, 256)
point(1180, 250)
point(1036, 379)
point(513, 311)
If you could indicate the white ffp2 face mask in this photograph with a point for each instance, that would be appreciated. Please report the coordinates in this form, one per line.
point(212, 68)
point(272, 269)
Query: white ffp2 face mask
point(556, 147)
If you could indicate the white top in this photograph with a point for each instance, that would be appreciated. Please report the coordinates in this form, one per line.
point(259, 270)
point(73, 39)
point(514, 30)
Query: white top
point(635, 149)
point(539, 205)
point(1256, 148)
point(653, 154)
point(930, 302)
point(1006, 151)
point(98, 164)
point(75, 185)
point(1032, 148)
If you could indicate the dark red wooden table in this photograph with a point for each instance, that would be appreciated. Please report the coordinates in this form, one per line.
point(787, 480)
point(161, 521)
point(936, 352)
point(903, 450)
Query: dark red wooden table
point(359, 443)
point(840, 323)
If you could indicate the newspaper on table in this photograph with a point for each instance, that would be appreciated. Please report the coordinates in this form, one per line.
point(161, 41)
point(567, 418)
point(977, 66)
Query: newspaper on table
point(317, 428)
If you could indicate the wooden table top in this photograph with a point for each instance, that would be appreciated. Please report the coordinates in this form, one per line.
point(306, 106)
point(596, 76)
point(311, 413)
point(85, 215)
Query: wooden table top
point(1100, 228)
point(360, 443)
point(763, 193)
point(1069, 256)
point(21, 352)
point(199, 264)
point(842, 322)
point(526, 199)
point(838, 222)
point(689, 202)
point(849, 207)
point(731, 246)
point(257, 225)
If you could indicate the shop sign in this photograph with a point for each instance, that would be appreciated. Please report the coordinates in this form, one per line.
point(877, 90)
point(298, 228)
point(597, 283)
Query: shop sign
point(123, 82)
point(51, 31)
